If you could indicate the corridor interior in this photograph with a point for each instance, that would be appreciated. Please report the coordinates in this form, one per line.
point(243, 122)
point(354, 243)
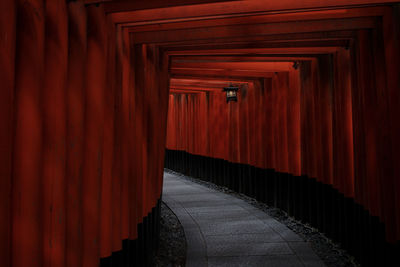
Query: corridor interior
point(98, 96)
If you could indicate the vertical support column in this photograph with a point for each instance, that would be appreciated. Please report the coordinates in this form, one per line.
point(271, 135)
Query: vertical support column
point(126, 214)
point(93, 155)
point(316, 144)
point(307, 138)
point(280, 132)
point(391, 34)
point(156, 99)
point(118, 143)
point(293, 119)
point(269, 141)
point(251, 98)
point(108, 146)
point(75, 130)
point(343, 148)
point(163, 69)
point(54, 133)
point(293, 138)
point(325, 80)
point(171, 127)
point(269, 131)
point(233, 114)
point(258, 116)
point(27, 175)
point(282, 99)
point(243, 126)
point(365, 114)
point(7, 68)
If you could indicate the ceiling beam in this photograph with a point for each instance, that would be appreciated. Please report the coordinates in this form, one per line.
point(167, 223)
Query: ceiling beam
point(245, 31)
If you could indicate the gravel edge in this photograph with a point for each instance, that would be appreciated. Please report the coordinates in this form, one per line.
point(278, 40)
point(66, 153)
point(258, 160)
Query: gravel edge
point(172, 247)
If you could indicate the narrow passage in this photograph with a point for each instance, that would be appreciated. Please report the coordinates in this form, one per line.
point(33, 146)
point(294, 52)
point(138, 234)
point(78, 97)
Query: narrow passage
point(222, 230)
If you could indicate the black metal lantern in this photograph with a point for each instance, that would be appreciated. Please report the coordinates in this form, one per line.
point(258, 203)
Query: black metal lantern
point(231, 93)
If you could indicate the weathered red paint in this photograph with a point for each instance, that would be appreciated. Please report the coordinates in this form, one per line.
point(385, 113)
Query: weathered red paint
point(77, 44)
point(108, 147)
point(126, 211)
point(54, 133)
point(118, 143)
point(7, 71)
point(94, 132)
point(391, 184)
point(27, 186)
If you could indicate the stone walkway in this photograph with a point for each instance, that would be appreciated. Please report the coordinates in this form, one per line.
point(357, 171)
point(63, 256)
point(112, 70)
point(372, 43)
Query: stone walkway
point(222, 230)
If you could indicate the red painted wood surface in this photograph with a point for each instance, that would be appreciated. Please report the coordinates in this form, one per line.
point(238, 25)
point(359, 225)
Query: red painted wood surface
point(54, 133)
point(391, 184)
point(126, 113)
point(28, 133)
point(94, 134)
point(77, 45)
point(7, 71)
point(118, 143)
point(106, 205)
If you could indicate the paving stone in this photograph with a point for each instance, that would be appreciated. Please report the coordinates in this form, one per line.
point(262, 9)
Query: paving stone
point(224, 208)
point(204, 220)
point(222, 230)
point(247, 249)
point(246, 238)
point(306, 254)
point(235, 227)
point(253, 261)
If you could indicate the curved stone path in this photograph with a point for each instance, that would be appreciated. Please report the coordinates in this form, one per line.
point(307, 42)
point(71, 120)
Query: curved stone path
point(222, 230)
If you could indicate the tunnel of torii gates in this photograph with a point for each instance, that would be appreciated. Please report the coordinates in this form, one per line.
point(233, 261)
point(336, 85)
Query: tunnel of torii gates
point(85, 91)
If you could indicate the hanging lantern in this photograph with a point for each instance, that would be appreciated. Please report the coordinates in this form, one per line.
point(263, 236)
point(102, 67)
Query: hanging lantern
point(231, 93)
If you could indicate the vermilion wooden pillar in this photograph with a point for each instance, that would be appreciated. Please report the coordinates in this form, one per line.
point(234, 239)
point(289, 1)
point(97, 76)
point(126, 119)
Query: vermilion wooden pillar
point(259, 117)
point(366, 108)
point(76, 87)
point(223, 137)
point(27, 167)
point(317, 123)
point(163, 92)
point(276, 122)
point(342, 125)
point(108, 147)
point(293, 112)
point(118, 143)
point(171, 139)
point(324, 113)
point(183, 119)
point(263, 125)
point(54, 133)
point(391, 33)
point(282, 92)
point(307, 120)
point(243, 126)
point(269, 132)
point(195, 122)
point(137, 146)
point(94, 120)
point(233, 144)
point(191, 123)
point(251, 96)
point(156, 99)
point(126, 113)
point(141, 92)
point(203, 114)
point(7, 68)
